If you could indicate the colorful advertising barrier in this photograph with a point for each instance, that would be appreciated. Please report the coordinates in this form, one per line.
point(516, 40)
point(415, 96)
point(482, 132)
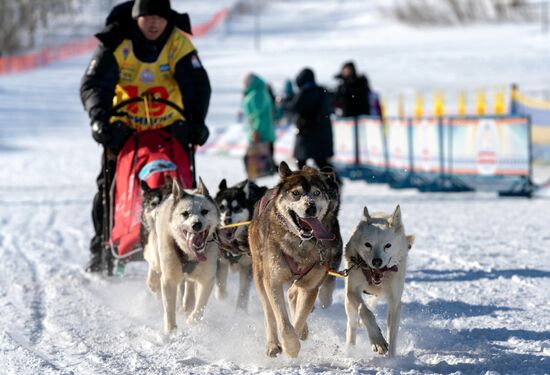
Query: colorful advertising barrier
point(371, 145)
point(491, 152)
point(539, 112)
point(345, 148)
point(456, 153)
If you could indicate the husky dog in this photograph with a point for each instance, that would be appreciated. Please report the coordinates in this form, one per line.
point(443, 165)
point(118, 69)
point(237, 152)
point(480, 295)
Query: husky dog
point(291, 242)
point(185, 253)
point(333, 185)
point(236, 205)
point(377, 257)
point(152, 198)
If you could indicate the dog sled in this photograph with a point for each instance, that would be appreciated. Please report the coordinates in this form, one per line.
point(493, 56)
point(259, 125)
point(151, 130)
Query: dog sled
point(150, 156)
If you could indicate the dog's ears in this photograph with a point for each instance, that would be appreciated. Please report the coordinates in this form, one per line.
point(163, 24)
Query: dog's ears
point(177, 191)
point(410, 241)
point(395, 220)
point(145, 187)
point(329, 173)
point(167, 186)
point(366, 215)
point(246, 189)
point(223, 185)
point(202, 188)
point(284, 170)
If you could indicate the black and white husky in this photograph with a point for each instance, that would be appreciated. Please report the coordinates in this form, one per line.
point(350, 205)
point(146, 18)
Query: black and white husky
point(236, 204)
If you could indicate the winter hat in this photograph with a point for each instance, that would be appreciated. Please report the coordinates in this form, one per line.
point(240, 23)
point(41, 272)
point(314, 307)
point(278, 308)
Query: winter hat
point(304, 77)
point(151, 8)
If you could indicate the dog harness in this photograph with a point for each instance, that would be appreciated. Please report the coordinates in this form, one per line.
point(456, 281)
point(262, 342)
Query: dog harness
point(294, 267)
point(187, 266)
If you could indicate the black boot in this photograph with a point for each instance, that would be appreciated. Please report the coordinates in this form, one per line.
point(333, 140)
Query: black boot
point(95, 264)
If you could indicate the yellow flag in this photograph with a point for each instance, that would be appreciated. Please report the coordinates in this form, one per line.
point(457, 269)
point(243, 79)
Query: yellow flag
point(439, 104)
point(419, 108)
point(481, 102)
point(500, 102)
point(461, 103)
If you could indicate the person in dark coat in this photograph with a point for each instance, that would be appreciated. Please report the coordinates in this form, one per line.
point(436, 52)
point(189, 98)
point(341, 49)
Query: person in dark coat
point(312, 109)
point(143, 50)
point(352, 94)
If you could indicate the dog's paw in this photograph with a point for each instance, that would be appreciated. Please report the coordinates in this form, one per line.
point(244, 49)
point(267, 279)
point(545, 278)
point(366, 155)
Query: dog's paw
point(170, 329)
point(194, 319)
point(221, 294)
point(325, 297)
point(274, 349)
point(153, 282)
point(379, 344)
point(291, 344)
point(305, 332)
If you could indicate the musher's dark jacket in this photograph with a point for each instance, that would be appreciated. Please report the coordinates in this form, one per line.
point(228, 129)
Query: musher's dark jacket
point(98, 84)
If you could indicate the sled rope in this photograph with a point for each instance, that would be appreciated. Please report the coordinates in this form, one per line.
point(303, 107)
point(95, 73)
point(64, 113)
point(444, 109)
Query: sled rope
point(341, 274)
point(147, 114)
point(242, 223)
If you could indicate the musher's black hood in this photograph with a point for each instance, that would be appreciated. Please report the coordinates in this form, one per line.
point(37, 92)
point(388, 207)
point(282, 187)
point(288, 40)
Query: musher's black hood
point(120, 25)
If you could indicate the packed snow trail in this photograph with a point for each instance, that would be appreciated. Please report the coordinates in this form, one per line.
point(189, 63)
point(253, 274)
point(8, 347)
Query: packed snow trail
point(478, 283)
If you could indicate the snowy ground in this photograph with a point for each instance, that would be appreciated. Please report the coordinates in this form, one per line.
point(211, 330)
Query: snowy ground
point(477, 295)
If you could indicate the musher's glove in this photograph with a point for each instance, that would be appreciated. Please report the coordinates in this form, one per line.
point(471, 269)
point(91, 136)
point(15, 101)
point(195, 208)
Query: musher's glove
point(199, 134)
point(100, 126)
point(180, 130)
point(119, 135)
point(100, 132)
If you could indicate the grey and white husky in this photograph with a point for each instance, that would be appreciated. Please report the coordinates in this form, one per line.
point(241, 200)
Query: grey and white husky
point(185, 255)
point(291, 240)
point(377, 255)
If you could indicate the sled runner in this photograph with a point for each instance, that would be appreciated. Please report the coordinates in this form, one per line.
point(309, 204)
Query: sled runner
point(149, 156)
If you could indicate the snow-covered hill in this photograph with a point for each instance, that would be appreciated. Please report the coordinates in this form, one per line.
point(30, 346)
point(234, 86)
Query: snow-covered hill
point(478, 285)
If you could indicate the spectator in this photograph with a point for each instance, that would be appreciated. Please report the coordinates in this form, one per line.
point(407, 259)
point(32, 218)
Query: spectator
point(282, 114)
point(258, 112)
point(353, 96)
point(312, 110)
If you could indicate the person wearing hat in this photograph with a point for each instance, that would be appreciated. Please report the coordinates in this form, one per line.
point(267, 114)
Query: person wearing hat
point(352, 94)
point(144, 49)
point(312, 108)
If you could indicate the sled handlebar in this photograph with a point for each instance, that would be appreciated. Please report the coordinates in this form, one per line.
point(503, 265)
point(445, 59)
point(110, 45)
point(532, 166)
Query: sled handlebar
point(116, 110)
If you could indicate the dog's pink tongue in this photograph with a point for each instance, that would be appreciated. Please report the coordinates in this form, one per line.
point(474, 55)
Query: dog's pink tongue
point(196, 241)
point(319, 230)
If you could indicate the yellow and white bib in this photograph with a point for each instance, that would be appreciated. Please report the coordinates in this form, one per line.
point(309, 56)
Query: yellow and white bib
point(155, 79)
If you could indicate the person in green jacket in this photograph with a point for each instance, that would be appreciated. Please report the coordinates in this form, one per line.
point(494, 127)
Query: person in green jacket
point(258, 112)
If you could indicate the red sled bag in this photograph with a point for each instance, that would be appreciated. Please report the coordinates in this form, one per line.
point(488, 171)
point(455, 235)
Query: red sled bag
point(154, 155)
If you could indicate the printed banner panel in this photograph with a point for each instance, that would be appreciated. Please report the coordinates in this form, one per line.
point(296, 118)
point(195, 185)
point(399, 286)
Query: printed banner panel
point(227, 141)
point(398, 144)
point(232, 141)
point(425, 135)
point(371, 142)
point(490, 146)
point(344, 141)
